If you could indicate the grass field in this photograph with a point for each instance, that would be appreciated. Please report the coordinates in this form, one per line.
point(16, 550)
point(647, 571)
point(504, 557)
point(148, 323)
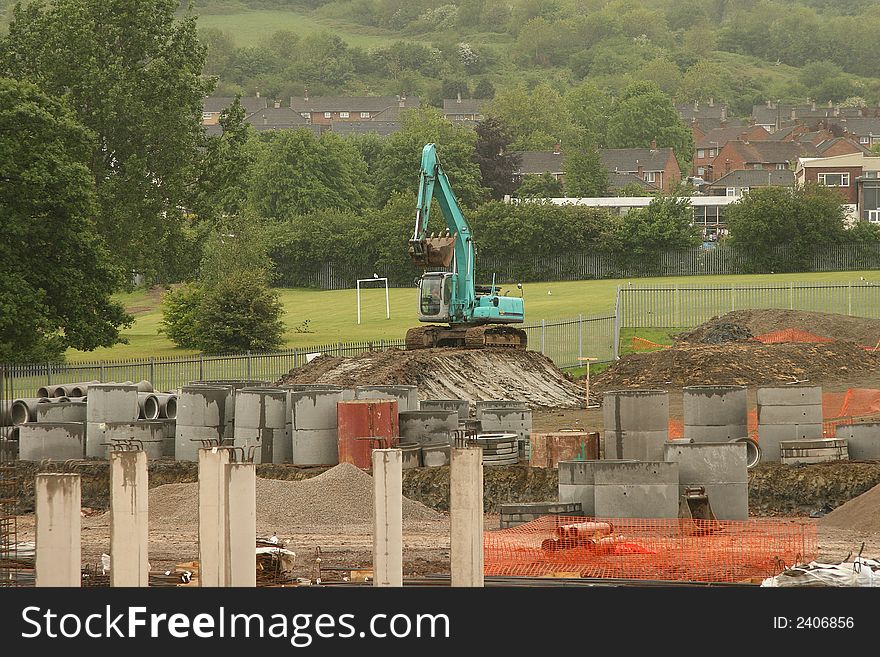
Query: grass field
point(332, 315)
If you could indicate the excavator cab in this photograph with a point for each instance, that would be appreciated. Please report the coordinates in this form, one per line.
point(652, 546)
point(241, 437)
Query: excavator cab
point(435, 294)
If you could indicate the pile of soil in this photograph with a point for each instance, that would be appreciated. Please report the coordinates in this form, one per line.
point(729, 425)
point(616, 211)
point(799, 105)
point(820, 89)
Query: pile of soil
point(343, 495)
point(721, 332)
point(860, 514)
point(474, 374)
point(739, 363)
point(860, 330)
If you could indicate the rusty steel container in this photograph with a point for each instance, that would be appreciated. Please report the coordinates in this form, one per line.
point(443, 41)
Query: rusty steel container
point(550, 448)
point(365, 418)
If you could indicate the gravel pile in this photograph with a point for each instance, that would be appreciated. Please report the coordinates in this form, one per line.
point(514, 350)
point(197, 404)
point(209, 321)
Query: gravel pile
point(343, 495)
point(859, 514)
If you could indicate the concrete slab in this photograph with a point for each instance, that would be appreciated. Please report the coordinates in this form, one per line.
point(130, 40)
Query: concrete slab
point(426, 426)
point(387, 517)
point(721, 469)
point(57, 441)
point(460, 406)
point(507, 420)
point(58, 560)
point(61, 412)
point(109, 402)
point(715, 405)
point(241, 525)
point(789, 396)
point(806, 414)
point(314, 409)
point(715, 434)
point(496, 404)
point(407, 396)
point(315, 447)
point(770, 435)
point(637, 445)
point(636, 410)
point(129, 564)
point(863, 440)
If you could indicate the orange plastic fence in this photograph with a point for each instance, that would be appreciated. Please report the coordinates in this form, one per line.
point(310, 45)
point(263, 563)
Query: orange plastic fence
point(837, 408)
point(649, 549)
point(790, 335)
point(641, 344)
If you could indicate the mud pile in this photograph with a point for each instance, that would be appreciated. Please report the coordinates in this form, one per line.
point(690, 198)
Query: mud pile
point(739, 363)
point(474, 374)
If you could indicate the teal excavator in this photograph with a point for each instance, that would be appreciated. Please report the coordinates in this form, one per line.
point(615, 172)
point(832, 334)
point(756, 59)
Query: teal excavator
point(474, 316)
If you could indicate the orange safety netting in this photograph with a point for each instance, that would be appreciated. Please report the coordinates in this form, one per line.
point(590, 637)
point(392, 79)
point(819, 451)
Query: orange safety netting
point(641, 344)
point(649, 549)
point(837, 408)
point(790, 335)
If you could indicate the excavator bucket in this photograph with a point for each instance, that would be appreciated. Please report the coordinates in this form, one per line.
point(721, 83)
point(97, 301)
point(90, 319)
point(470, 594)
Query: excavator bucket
point(433, 251)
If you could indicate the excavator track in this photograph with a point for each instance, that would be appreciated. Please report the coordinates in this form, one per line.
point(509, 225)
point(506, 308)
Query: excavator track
point(468, 337)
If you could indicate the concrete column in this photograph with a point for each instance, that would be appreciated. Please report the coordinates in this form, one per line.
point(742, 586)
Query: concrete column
point(241, 525)
point(58, 560)
point(129, 529)
point(466, 516)
point(387, 517)
point(212, 515)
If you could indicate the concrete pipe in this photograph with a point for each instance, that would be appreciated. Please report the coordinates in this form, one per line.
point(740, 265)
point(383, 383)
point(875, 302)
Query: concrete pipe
point(78, 399)
point(50, 391)
point(60, 400)
point(148, 406)
point(24, 410)
point(167, 405)
point(144, 386)
point(79, 389)
point(753, 451)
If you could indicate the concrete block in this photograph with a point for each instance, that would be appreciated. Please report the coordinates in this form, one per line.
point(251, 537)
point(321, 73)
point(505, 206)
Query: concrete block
point(813, 451)
point(260, 419)
point(636, 410)
point(58, 441)
point(58, 529)
point(607, 473)
point(770, 435)
point(61, 412)
point(100, 436)
point(636, 490)
point(315, 447)
point(407, 396)
point(109, 402)
point(313, 409)
point(411, 453)
point(497, 404)
point(638, 445)
point(863, 440)
point(721, 468)
point(428, 426)
point(507, 420)
point(805, 414)
point(435, 455)
point(715, 434)
point(790, 396)
point(273, 445)
point(460, 406)
point(715, 405)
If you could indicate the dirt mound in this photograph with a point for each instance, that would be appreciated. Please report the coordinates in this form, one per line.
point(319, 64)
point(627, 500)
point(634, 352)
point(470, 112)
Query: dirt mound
point(740, 363)
point(343, 495)
point(475, 374)
point(860, 330)
point(718, 333)
point(859, 514)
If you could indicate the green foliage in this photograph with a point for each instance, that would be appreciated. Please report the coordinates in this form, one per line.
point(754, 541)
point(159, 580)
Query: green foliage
point(56, 275)
point(536, 118)
point(497, 164)
point(295, 172)
point(539, 186)
point(132, 73)
point(646, 113)
point(584, 174)
point(666, 224)
point(236, 314)
point(398, 171)
point(800, 218)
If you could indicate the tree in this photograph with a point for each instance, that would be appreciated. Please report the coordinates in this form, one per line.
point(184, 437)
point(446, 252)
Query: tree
point(539, 186)
point(56, 275)
point(132, 73)
point(497, 164)
point(644, 114)
point(589, 108)
point(666, 224)
point(799, 218)
point(537, 119)
point(399, 169)
point(295, 173)
point(238, 313)
point(484, 89)
point(585, 176)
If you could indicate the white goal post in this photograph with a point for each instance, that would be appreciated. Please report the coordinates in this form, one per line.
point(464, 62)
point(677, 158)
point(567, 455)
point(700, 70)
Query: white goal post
point(375, 279)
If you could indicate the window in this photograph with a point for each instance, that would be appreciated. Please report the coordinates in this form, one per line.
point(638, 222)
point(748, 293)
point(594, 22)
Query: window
point(207, 115)
point(650, 176)
point(701, 171)
point(874, 216)
point(328, 115)
point(781, 167)
point(432, 288)
point(365, 115)
point(713, 152)
point(343, 115)
point(731, 191)
point(864, 140)
point(305, 115)
point(701, 153)
point(834, 179)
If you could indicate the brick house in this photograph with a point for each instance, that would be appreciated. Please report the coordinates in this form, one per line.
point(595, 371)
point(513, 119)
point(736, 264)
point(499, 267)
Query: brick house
point(856, 176)
point(710, 144)
point(326, 110)
point(759, 154)
point(213, 106)
point(657, 168)
point(864, 130)
point(738, 183)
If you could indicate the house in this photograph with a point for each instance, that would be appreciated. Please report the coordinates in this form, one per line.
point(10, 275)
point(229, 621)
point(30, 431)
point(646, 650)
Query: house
point(759, 154)
point(865, 131)
point(619, 181)
point(738, 183)
point(708, 146)
point(326, 110)
point(694, 111)
point(277, 117)
point(773, 116)
point(456, 109)
point(213, 106)
point(856, 176)
point(381, 128)
point(656, 166)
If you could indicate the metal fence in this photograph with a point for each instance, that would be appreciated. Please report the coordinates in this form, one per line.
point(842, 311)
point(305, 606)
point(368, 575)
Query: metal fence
point(685, 306)
point(719, 259)
point(563, 341)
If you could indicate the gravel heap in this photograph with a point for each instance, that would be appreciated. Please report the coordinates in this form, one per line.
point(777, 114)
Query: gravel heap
point(860, 514)
point(343, 495)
